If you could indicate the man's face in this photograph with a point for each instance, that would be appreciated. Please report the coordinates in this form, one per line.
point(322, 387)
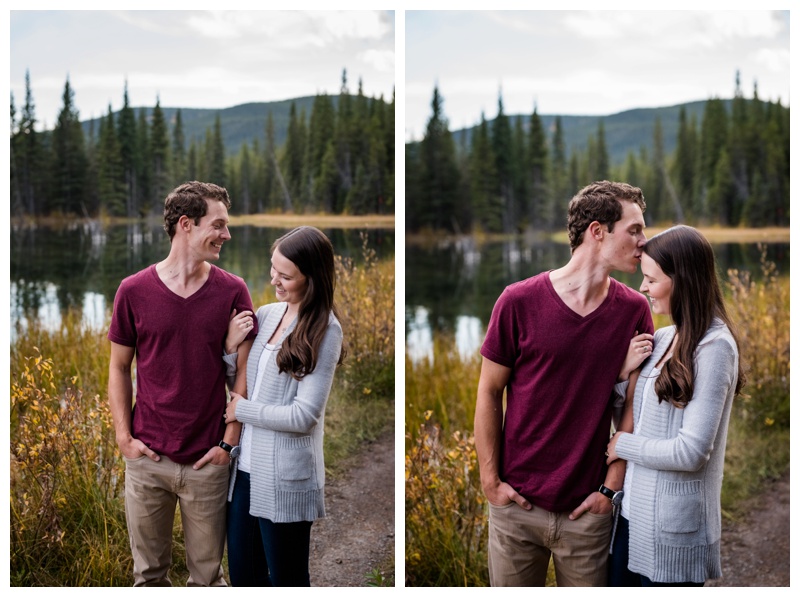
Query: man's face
point(211, 231)
point(623, 250)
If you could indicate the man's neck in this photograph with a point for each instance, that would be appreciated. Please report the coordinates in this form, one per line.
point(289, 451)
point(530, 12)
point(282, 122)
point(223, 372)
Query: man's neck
point(181, 273)
point(582, 283)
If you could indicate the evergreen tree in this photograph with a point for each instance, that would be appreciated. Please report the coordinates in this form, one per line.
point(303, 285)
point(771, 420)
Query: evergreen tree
point(144, 166)
point(159, 158)
point(486, 202)
point(126, 134)
point(344, 148)
point(217, 155)
point(502, 149)
point(562, 188)
point(271, 199)
point(603, 163)
point(68, 159)
point(292, 163)
point(684, 165)
point(542, 211)
point(438, 173)
point(27, 157)
point(179, 169)
point(321, 130)
point(110, 177)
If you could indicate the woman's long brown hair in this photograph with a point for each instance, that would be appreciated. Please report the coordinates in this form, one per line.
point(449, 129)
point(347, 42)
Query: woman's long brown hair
point(312, 252)
point(688, 259)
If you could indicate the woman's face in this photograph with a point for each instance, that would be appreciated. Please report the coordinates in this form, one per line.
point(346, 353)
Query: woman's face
point(656, 284)
point(290, 284)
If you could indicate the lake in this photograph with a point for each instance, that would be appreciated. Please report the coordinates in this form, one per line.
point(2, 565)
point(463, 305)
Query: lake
point(81, 265)
point(452, 286)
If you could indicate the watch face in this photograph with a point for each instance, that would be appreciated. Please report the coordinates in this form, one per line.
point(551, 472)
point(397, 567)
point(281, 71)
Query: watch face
point(235, 452)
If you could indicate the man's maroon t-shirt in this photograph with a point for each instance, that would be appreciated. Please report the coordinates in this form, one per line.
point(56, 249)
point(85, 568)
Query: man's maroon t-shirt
point(563, 370)
point(179, 342)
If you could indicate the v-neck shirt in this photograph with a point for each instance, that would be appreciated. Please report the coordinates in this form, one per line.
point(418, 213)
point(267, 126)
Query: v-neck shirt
point(563, 370)
point(179, 342)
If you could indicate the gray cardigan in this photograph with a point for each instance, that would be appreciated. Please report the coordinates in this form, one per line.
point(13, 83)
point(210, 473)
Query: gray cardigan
point(675, 520)
point(287, 477)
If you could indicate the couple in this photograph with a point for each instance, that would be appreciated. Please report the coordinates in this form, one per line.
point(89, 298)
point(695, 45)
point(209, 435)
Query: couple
point(190, 326)
point(573, 349)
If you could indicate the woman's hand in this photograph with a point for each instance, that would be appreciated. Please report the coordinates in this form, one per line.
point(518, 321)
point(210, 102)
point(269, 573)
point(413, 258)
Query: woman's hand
point(640, 348)
point(230, 410)
point(238, 328)
point(611, 451)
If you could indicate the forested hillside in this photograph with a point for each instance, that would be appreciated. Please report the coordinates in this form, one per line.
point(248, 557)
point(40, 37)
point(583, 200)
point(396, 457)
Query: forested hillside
point(718, 162)
point(321, 154)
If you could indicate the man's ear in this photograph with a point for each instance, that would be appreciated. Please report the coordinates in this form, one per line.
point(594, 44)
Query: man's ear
point(184, 223)
point(597, 230)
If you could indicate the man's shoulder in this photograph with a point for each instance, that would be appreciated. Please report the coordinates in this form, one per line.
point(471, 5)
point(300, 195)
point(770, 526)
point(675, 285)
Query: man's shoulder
point(628, 294)
point(524, 288)
point(222, 276)
point(140, 278)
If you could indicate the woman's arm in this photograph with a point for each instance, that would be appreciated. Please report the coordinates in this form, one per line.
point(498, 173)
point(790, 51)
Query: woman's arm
point(303, 413)
point(690, 449)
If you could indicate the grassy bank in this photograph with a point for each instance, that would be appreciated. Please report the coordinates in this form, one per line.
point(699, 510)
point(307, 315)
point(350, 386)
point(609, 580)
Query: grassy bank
point(714, 234)
point(67, 514)
point(446, 512)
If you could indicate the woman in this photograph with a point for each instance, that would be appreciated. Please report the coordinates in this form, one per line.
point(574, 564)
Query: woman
point(277, 481)
point(669, 529)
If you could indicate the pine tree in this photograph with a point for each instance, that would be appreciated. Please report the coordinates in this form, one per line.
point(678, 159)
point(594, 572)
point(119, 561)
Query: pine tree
point(144, 166)
point(603, 164)
point(438, 173)
point(541, 207)
point(486, 202)
point(179, 168)
point(68, 159)
point(159, 157)
point(684, 165)
point(110, 178)
point(126, 134)
point(562, 189)
point(502, 149)
point(216, 158)
point(27, 155)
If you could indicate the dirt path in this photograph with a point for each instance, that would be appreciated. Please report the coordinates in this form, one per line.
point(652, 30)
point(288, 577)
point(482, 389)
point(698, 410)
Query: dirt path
point(755, 550)
point(358, 533)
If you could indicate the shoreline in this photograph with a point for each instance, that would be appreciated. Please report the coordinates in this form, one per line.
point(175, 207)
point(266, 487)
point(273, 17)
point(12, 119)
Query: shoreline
point(372, 221)
point(768, 235)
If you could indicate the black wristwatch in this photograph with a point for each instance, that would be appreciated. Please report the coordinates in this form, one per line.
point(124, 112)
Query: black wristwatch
point(233, 451)
point(614, 496)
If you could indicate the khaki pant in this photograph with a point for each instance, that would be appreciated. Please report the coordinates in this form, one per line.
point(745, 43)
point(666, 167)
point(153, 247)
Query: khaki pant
point(152, 490)
point(521, 542)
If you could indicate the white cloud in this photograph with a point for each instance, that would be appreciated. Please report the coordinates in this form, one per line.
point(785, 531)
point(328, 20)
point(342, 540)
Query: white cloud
point(381, 60)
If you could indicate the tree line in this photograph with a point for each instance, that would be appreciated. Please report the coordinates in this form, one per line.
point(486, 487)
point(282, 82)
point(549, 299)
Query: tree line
point(339, 159)
point(729, 169)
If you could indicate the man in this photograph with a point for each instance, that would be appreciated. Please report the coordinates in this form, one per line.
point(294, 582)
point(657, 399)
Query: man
point(555, 344)
point(173, 316)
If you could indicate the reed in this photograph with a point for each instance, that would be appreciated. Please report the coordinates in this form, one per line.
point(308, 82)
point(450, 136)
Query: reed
point(67, 522)
point(446, 512)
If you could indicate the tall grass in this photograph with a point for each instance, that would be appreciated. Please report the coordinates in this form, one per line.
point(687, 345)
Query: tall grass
point(67, 476)
point(446, 513)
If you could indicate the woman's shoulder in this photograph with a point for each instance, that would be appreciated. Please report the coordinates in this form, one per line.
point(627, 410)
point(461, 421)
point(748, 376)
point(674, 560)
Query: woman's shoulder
point(264, 311)
point(665, 332)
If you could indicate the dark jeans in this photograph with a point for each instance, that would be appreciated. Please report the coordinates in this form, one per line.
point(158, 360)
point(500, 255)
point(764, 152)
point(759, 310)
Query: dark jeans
point(262, 553)
point(618, 573)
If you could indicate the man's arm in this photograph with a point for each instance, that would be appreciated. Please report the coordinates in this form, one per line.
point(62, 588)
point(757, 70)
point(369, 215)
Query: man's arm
point(488, 434)
point(120, 401)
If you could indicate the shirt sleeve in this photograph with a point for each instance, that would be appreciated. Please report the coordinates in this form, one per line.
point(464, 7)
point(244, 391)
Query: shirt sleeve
point(690, 449)
point(123, 326)
point(500, 343)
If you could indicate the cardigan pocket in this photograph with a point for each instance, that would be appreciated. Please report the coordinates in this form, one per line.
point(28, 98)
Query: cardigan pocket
point(295, 457)
point(680, 512)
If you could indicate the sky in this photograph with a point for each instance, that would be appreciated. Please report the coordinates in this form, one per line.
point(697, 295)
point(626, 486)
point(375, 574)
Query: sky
point(584, 62)
point(196, 59)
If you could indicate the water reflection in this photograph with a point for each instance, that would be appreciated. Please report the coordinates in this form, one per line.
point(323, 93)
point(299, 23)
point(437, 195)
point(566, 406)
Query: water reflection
point(452, 286)
point(79, 266)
